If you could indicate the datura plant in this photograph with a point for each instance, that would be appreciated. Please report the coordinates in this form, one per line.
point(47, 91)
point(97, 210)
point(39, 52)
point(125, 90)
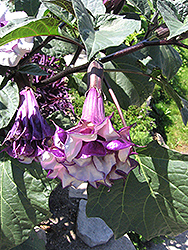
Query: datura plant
point(108, 51)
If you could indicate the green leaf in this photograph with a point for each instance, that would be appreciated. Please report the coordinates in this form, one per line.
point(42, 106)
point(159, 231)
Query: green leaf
point(58, 48)
point(107, 31)
point(181, 8)
point(131, 86)
point(62, 120)
point(31, 7)
point(32, 69)
point(164, 57)
point(24, 191)
point(66, 16)
point(143, 6)
point(28, 28)
point(184, 110)
point(95, 7)
point(65, 4)
point(78, 84)
point(168, 13)
point(9, 100)
point(153, 201)
point(181, 103)
point(32, 243)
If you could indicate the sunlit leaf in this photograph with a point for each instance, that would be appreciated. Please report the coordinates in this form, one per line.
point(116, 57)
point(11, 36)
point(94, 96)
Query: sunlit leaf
point(28, 28)
point(95, 7)
point(143, 6)
point(168, 13)
point(107, 30)
point(65, 4)
point(9, 100)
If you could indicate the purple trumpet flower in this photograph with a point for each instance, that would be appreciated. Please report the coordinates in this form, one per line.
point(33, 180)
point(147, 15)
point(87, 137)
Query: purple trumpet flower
point(93, 150)
point(30, 133)
point(12, 52)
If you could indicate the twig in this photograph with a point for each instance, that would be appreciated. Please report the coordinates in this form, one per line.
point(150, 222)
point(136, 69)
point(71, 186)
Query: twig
point(63, 73)
point(76, 55)
point(115, 101)
point(126, 51)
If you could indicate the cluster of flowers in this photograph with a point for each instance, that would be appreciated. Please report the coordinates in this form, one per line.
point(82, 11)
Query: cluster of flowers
point(91, 151)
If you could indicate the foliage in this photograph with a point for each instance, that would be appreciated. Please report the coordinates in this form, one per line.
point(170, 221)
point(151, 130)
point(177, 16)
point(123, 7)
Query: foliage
point(160, 192)
point(140, 49)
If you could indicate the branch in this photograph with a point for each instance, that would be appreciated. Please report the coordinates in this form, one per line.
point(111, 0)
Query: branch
point(63, 73)
point(136, 47)
point(126, 51)
point(36, 50)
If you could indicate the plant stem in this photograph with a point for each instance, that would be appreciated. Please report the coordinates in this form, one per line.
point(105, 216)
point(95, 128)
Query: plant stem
point(37, 49)
point(76, 55)
point(126, 51)
point(115, 102)
point(136, 47)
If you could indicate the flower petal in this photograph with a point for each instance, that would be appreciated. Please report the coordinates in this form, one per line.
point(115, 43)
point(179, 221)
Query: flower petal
point(47, 161)
point(86, 172)
point(72, 147)
point(123, 154)
point(105, 164)
point(117, 145)
point(92, 148)
point(106, 130)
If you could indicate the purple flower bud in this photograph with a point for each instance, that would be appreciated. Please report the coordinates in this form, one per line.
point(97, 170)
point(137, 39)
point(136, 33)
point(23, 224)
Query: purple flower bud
point(12, 52)
point(93, 150)
point(30, 132)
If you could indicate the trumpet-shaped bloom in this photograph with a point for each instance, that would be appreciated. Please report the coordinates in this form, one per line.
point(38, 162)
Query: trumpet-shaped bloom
point(12, 52)
point(93, 150)
point(30, 132)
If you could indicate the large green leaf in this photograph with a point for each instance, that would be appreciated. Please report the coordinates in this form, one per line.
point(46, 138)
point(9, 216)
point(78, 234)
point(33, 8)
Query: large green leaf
point(59, 11)
point(107, 30)
point(24, 191)
point(153, 200)
point(31, 7)
point(9, 100)
point(32, 243)
point(58, 48)
point(64, 4)
point(130, 86)
point(32, 69)
point(169, 15)
point(164, 57)
point(95, 7)
point(62, 120)
point(29, 28)
point(181, 103)
point(143, 6)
